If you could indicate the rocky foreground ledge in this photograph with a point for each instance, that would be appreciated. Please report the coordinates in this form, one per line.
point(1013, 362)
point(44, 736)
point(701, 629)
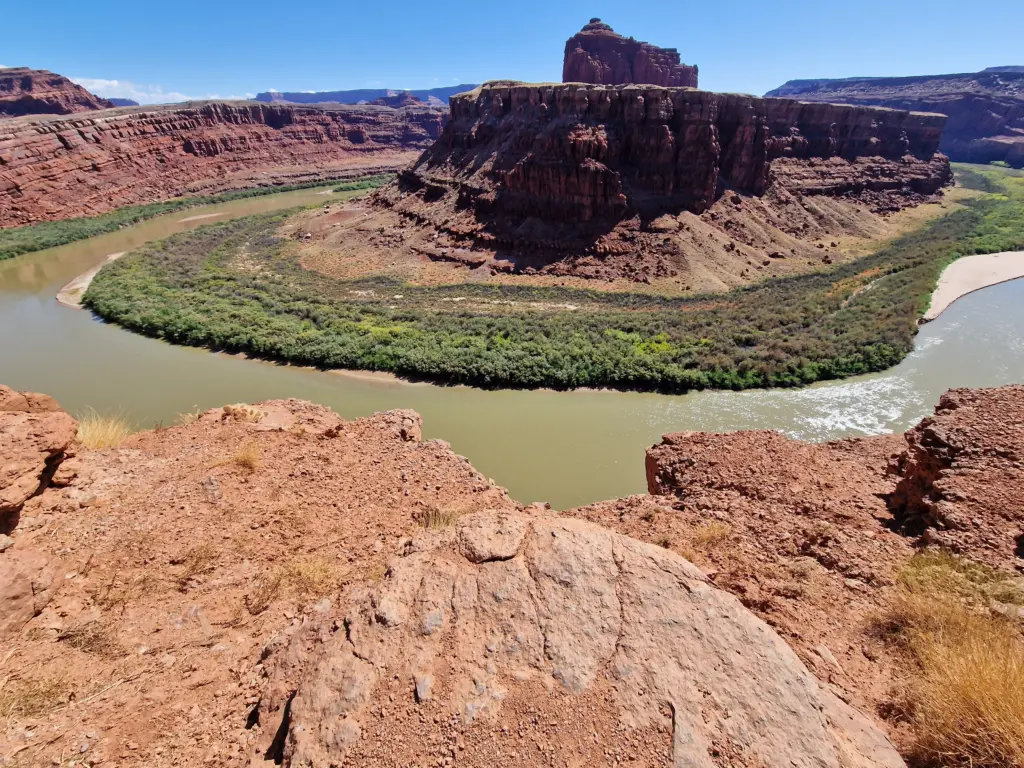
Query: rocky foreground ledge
point(271, 583)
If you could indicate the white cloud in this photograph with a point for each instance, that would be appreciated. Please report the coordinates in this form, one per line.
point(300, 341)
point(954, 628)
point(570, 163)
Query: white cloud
point(147, 94)
point(123, 89)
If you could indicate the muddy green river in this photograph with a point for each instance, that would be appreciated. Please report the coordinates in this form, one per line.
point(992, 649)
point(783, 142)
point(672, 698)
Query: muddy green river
point(568, 448)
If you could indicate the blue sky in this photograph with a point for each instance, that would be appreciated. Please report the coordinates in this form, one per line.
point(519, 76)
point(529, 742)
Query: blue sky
point(169, 51)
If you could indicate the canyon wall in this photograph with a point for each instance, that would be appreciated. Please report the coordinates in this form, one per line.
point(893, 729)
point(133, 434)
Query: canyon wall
point(985, 109)
point(580, 154)
point(599, 55)
point(26, 91)
point(59, 167)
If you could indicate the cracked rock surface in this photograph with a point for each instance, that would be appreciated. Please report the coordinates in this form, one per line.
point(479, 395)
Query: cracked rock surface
point(559, 643)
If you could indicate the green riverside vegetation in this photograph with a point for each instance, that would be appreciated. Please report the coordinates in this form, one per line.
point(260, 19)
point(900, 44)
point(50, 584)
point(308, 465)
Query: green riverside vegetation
point(855, 318)
point(49, 234)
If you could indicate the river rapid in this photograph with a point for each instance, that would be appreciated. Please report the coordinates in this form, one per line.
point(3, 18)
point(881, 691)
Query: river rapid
point(567, 448)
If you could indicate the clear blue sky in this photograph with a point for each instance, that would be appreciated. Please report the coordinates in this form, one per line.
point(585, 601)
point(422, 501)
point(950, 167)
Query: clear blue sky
point(164, 51)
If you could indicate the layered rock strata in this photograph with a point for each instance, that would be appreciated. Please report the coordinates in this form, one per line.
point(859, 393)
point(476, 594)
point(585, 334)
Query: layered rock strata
point(26, 91)
point(599, 55)
point(59, 167)
point(557, 168)
point(962, 476)
point(985, 109)
point(35, 435)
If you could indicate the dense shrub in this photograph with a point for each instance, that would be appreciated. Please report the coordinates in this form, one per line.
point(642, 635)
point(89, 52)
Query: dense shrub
point(49, 234)
point(857, 318)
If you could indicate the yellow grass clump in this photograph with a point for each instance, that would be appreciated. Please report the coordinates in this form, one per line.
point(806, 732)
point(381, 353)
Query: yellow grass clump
point(30, 696)
point(97, 432)
point(312, 577)
point(248, 456)
point(189, 417)
point(967, 699)
point(435, 518)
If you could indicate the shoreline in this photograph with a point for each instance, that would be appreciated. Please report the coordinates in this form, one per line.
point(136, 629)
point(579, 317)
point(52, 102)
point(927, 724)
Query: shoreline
point(973, 273)
point(71, 294)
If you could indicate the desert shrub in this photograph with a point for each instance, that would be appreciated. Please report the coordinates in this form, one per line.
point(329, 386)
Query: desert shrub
point(783, 332)
point(15, 241)
point(98, 432)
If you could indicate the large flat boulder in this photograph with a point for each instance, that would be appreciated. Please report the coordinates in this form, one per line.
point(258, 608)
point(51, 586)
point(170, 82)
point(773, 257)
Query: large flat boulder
point(552, 642)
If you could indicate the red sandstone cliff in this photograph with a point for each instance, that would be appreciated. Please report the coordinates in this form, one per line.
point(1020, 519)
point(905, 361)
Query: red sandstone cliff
point(59, 167)
point(581, 154)
point(985, 109)
point(599, 55)
point(26, 91)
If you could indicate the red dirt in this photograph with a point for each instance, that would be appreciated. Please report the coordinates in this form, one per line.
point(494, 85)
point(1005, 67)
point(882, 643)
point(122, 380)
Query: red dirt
point(158, 592)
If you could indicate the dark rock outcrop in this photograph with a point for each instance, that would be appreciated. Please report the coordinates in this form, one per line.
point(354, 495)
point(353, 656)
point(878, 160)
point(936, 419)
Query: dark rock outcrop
point(25, 91)
point(602, 153)
point(601, 56)
point(54, 168)
point(123, 102)
point(962, 476)
point(35, 434)
point(985, 109)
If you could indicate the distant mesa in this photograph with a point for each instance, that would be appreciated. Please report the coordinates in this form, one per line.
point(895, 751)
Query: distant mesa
point(25, 91)
point(403, 99)
point(600, 56)
point(431, 96)
point(985, 109)
point(123, 102)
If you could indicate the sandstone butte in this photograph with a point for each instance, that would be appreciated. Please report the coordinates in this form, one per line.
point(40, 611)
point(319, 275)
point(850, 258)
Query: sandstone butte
point(599, 55)
point(26, 91)
point(985, 109)
point(56, 167)
point(354, 595)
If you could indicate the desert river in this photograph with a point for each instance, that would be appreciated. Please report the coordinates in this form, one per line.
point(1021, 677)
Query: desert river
point(568, 448)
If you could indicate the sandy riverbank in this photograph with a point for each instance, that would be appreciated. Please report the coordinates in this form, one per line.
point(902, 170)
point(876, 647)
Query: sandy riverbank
point(71, 294)
point(972, 273)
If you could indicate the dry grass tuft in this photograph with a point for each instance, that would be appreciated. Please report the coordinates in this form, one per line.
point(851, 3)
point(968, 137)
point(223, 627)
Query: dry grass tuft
point(92, 637)
point(942, 572)
point(30, 696)
point(308, 578)
point(967, 699)
point(248, 456)
point(242, 412)
point(189, 417)
point(434, 518)
point(265, 590)
point(710, 537)
point(98, 432)
point(198, 561)
point(312, 577)
point(117, 593)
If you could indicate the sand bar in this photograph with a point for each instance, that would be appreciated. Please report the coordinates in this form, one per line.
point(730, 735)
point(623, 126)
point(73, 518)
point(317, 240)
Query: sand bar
point(202, 216)
point(972, 273)
point(71, 294)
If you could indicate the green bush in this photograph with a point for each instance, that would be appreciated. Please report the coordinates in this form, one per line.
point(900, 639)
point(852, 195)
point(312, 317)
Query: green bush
point(857, 318)
point(49, 234)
